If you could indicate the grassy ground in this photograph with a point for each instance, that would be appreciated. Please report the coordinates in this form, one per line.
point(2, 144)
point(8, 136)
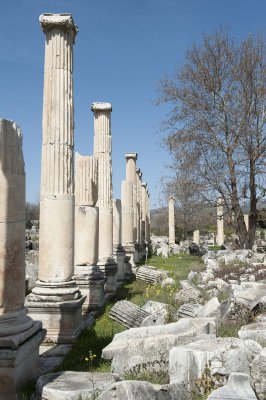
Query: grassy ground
point(86, 352)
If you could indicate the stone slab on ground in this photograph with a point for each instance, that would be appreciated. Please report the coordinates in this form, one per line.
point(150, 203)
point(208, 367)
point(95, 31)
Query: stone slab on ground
point(142, 390)
point(70, 385)
point(128, 314)
point(184, 327)
point(238, 388)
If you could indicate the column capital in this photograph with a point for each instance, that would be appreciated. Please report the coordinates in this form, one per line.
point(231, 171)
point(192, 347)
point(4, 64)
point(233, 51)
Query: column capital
point(98, 106)
point(64, 22)
point(131, 155)
point(138, 171)
point(171, 198)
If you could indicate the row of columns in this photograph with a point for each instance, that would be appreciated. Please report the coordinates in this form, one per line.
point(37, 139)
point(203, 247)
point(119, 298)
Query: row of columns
point(88, 241)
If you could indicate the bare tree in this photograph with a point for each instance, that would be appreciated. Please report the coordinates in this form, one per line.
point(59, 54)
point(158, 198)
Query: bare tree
point(216, 126)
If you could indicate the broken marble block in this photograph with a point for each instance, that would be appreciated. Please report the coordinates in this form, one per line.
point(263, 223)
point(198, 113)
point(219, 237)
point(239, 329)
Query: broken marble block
point(128, 314)
point(142, 390)
point(72, 385)
point(157, 309)
point(221, 356)
point(237, 388)
point(251, 294)
point(185, 327)
point(255, 332)
point(150, 354)
point(258, 374)
point(151, 275)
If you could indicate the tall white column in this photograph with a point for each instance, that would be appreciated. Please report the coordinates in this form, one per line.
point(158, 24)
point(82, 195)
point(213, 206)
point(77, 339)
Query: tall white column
point(103, 153)
point(56, 260)
point(171, 215)
point(18, 360)
point(220, 222)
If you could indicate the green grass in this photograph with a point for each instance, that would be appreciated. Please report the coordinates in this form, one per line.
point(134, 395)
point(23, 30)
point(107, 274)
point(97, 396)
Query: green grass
point(230, 329)
point(178, 265)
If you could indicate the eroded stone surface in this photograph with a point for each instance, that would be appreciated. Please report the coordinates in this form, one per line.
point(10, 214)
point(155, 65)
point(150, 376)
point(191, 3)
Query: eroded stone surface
point(238, 388)
point(72, 385)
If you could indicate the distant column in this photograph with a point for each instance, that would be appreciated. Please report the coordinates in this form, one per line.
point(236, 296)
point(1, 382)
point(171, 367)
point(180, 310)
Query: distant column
point(119, 252)
point(148, 225)
point(127, 199)
point(220, 222)
point(246, 220)
point(103, 153)
point(20, 336)
point(143, 211)
point(171, 216)
point(56, 292)
point(196, 237)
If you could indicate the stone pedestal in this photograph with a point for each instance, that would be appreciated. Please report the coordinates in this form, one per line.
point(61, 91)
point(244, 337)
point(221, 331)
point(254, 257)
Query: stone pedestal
point(220, 222)
point(196, 236)
point(103, 153)
point(56, 299)
point(20, 336)
point(90, 280)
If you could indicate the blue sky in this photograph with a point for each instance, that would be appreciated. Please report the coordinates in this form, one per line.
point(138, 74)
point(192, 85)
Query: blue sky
point(123, 47)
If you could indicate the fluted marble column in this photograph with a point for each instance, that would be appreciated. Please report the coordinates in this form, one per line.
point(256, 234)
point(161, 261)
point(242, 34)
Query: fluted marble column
point(18, 360)
point(220, 222)
point(87, 274)
point(56, 262)
point(86, 212)
point(171, 215)
point(128, 199)
point(103, 153)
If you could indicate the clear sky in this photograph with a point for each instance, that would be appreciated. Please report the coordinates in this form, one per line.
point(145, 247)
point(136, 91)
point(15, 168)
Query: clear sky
point(123, 47)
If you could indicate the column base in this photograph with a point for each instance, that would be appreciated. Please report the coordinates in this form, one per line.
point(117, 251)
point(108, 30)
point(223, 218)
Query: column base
point(109, 267)
point(19, 360)
point(59, 307)
point(90, 280)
